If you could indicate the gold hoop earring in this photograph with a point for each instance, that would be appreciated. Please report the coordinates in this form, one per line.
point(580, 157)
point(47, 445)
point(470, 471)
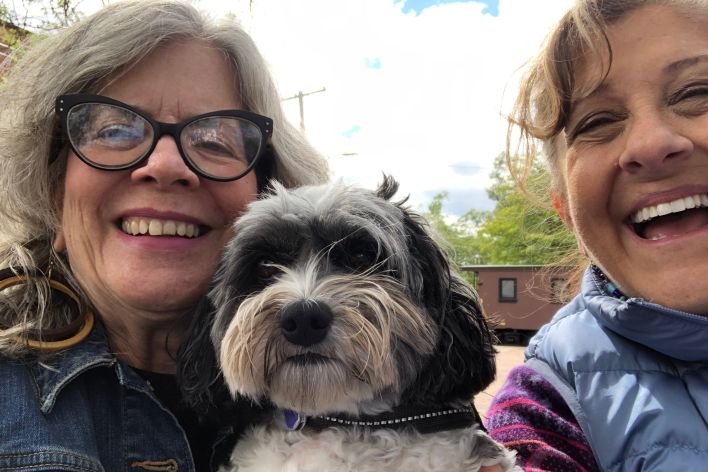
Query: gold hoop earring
point(76, 331)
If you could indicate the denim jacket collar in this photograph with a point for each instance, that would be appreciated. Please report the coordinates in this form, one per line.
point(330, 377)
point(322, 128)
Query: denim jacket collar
point(52, 375)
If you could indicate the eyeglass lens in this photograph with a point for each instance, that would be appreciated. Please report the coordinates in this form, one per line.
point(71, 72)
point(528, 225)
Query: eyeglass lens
point(114, 137)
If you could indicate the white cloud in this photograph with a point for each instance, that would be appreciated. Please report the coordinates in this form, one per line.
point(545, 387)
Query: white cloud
point(423, 93)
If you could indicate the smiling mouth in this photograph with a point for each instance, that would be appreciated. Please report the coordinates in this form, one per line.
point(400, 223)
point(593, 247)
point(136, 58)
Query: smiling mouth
point(140, 226)
point(673, 218)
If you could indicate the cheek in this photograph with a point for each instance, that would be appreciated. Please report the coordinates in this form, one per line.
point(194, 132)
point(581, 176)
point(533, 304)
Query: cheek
point(82, 190)
point(233, 197)
point(589, 184)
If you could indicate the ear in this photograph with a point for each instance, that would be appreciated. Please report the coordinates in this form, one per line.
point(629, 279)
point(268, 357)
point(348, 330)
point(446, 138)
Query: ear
point(560, 204)
point(59, 243)
point(198, 372)
point(463, 364)
point(463, 361)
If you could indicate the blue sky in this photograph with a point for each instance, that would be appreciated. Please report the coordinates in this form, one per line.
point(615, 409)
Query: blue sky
point(417, 6)
point(414, 88)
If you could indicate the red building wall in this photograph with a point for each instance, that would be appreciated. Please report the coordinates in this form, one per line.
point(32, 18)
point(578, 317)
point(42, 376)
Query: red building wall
point(537, 294)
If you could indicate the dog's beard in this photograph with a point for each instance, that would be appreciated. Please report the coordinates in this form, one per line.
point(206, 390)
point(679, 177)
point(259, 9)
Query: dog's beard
point(376, 345)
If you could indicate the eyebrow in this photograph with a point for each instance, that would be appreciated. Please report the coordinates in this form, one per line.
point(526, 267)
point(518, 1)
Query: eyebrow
point(679, 65)
point(670, 69)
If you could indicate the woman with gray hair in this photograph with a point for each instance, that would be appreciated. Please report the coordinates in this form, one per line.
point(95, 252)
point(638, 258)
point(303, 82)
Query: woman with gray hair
point(129, 143)
point(618, 380)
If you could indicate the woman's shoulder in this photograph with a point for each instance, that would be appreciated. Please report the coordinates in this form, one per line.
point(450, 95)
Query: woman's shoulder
point(48, 398)
point(28, 435)
point(77, 414)
point(551, 340)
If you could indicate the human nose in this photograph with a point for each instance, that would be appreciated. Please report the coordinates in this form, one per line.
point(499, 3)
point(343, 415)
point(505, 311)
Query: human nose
point(653, 142)
point(165, 166)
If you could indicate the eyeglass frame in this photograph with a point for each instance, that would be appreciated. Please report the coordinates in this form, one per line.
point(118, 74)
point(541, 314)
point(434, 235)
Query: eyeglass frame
point(64, 103)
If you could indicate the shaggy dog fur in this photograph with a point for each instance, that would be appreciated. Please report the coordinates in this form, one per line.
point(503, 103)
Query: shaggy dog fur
point(335, 305)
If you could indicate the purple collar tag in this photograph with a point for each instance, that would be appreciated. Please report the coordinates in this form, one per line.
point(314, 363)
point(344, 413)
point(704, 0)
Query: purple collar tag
point(293, 421)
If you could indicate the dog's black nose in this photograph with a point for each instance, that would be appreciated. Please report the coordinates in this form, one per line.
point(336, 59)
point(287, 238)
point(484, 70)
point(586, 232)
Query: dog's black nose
point(306, 322)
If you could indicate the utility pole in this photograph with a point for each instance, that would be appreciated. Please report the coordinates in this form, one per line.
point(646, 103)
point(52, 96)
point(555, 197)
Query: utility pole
point(299, 97)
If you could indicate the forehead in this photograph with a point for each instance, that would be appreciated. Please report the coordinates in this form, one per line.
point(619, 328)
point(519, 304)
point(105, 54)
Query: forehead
point(661, 40)
point(179, 79)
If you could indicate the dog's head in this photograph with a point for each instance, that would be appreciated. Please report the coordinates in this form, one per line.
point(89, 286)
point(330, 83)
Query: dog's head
point(333, 298)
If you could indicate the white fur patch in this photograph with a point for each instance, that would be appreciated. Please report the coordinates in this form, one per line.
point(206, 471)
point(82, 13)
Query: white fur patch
point(269, 449)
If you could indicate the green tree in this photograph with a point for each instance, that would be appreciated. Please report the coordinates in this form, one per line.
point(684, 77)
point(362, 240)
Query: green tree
point(39, 15)
point(520, 230)
point(458, 235)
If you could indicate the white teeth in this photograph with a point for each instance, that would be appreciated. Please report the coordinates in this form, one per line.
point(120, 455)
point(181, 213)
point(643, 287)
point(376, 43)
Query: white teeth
point(169, 228)
point(676, 206)
point(663, 209)
point(136, 226)
point(155, 228)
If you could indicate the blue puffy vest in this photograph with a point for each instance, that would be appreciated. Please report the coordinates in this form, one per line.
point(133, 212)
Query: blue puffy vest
point(635, 374)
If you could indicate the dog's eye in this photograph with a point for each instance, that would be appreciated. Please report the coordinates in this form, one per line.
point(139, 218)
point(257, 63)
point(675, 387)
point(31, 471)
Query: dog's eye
point(361, 256)
point(266, 269)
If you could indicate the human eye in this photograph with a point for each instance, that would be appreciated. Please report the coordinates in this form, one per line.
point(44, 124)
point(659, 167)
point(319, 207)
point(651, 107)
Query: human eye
point(596, 127)
point(120, 135)
point(117, 129)
point(691, 99)
point(213, 143)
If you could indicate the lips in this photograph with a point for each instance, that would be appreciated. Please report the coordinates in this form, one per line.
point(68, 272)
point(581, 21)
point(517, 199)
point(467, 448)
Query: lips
point(673, 218)
point(143, 226)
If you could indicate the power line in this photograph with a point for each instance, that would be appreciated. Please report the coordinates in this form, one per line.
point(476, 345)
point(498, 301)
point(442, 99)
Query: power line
point(300, 95)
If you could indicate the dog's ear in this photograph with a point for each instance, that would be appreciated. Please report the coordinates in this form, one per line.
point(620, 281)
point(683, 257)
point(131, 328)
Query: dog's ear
point(463, 362)
point(198, 372)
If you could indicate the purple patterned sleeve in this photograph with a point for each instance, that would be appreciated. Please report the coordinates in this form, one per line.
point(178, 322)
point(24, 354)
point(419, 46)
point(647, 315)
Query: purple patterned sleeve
point(529, 416)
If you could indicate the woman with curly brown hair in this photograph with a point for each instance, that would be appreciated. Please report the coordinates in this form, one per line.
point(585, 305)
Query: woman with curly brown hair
point(618, 380)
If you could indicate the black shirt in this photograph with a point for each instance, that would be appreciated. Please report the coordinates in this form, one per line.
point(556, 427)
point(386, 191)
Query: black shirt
point(216, 430)
point(201, 433)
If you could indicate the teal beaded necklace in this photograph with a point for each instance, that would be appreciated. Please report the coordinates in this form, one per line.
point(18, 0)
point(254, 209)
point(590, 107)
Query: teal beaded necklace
point(607, 285)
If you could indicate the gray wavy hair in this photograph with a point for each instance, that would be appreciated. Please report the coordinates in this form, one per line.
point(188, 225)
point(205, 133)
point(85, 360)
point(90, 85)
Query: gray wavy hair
point(84, 58)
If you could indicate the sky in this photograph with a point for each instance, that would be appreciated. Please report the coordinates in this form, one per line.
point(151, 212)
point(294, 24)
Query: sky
point(413, 88)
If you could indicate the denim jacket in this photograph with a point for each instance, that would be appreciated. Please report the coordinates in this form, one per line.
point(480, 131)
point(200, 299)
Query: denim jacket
point(85, 411)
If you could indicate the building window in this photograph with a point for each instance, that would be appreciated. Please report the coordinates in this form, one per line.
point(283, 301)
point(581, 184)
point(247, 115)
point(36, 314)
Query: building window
point(507, 290)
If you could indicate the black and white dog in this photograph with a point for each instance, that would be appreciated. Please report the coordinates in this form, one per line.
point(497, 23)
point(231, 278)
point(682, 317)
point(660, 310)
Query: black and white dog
point(335, 305)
